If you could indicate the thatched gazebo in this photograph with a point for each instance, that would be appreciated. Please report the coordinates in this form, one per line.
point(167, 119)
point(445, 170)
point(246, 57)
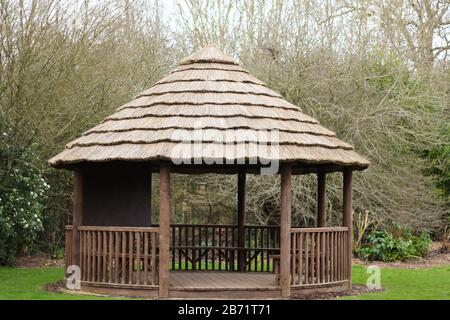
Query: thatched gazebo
point(183, 125)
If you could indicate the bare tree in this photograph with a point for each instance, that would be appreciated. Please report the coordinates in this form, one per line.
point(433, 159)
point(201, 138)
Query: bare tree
point(337, 62)
point(422, 27)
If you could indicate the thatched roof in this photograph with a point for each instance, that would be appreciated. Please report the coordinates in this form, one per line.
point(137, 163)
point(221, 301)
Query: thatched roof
point(211, 87)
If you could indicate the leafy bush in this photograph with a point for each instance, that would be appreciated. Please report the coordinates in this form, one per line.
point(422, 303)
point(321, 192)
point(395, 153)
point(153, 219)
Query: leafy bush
point(21, 198)
point(397, 246)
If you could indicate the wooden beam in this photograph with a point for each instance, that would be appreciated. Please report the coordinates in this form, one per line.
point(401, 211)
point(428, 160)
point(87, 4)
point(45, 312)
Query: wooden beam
point(241, 218)
point(321, 199)
point(77, 217)
point(347, 220)
point(285, 230)
point(164, 229)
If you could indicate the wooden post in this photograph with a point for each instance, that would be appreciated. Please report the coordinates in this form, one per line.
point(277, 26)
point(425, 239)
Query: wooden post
point(321, 199)
point(164, 229)
point(77, 218)
point(241, 219)
point(347, 220)
point(285, 230)
point(150, 200)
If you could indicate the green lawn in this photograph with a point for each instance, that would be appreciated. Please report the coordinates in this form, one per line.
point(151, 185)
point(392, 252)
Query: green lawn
point(430, 283)
point(418, 284)
point(20, 284)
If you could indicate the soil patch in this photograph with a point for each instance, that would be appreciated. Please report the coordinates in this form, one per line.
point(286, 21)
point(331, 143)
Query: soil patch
point(54, 287)
point(38, 261)
point(355, 291)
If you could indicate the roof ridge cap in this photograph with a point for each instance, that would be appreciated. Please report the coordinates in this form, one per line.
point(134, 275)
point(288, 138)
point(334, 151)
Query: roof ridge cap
point(210, 54)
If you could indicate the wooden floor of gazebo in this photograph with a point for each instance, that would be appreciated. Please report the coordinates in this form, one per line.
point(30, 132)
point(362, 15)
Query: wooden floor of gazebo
point(210, 280)
point(235, 285)
point(217, 284)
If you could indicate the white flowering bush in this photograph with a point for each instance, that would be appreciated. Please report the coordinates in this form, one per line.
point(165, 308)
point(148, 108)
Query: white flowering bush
point(22, 196)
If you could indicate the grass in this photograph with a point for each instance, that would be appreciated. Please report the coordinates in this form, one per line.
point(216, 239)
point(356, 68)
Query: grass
point(402, 284)
point(422, 284)
point(28, 284)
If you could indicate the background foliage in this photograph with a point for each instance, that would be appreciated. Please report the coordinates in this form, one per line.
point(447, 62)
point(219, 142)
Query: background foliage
point(396, 246)
point(24, 192)
point(376, 72)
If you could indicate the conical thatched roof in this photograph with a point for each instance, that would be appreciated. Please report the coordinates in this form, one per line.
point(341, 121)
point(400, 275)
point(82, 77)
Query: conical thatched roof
point(212, 88)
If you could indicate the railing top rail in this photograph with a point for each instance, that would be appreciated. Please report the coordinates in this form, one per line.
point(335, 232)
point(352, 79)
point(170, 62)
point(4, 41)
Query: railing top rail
point(155, 228)
point(118, 229)
point(325, 229)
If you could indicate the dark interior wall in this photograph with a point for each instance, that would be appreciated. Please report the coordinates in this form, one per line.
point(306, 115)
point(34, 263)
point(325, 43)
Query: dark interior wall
point(116, 194)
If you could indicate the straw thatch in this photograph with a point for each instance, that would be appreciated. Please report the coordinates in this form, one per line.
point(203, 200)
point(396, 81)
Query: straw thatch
point(208, 90)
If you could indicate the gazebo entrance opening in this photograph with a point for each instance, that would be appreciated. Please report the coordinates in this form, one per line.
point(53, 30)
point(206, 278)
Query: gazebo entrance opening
point(233, 247)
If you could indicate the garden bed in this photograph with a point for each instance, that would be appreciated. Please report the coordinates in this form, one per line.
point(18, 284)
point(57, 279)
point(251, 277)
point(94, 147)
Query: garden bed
point(38, 261)
point(435, 258)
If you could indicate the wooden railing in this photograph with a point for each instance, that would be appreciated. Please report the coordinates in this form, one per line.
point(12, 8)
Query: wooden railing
point(319, 255)
point(261, 242)
point(193, 247)
point(129, 255)
point(119, 255)
point(215, 247)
